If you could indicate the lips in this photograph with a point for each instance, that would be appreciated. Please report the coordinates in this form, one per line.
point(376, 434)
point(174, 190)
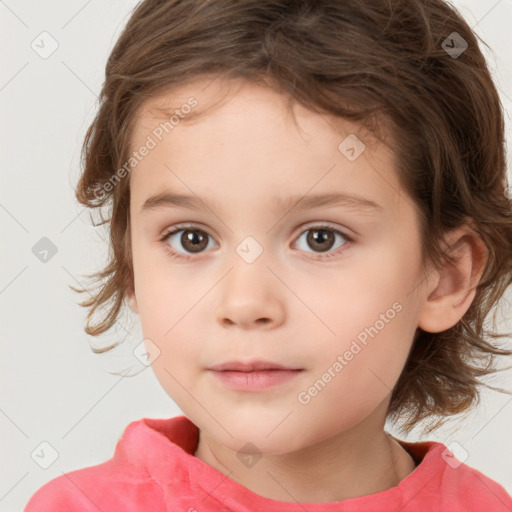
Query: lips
point(250, 366)
point(253, 376)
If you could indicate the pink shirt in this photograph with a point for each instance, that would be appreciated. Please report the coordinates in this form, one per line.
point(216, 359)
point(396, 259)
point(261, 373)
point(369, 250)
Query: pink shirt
point(154, 469)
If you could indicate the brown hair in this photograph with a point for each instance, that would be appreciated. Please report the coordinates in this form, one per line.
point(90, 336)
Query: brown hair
point(361, 60)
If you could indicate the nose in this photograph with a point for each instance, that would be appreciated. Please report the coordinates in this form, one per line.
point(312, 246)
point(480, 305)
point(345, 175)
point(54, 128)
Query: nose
point(251, 297)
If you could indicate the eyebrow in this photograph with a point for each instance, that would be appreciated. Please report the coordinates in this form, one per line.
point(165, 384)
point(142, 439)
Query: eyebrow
point(167, 199)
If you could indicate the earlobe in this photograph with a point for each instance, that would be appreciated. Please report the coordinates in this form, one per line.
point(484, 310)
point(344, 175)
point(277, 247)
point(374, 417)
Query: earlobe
point(454, 285)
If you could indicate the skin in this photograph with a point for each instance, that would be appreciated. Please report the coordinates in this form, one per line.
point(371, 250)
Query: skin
point(292, 305)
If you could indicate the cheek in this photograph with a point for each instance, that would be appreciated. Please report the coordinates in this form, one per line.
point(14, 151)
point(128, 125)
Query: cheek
point(372, 291)
point(358, 373)
point(166, 293)
point(372, 316)
point(177, 365)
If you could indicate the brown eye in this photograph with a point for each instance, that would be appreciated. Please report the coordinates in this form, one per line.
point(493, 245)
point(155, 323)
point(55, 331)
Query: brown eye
point(322, 239)
point(193, 240)
point(186, 241)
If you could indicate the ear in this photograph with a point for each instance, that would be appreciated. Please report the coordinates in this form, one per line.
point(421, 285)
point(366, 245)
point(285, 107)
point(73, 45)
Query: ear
point(451, 289)
point(132, 301)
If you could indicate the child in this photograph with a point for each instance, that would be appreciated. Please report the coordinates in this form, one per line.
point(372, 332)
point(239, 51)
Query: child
point(232, 141)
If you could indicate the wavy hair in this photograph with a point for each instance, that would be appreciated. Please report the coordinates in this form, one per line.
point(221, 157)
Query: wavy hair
point(360, 60)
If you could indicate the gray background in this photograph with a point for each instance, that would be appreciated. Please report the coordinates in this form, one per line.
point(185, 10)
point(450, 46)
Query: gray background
point(55, 390)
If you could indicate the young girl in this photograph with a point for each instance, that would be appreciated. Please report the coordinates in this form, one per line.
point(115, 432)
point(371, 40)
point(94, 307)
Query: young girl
point(233, 141)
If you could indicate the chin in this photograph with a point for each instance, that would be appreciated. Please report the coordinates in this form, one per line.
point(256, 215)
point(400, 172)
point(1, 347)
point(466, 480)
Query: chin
point(269, 435)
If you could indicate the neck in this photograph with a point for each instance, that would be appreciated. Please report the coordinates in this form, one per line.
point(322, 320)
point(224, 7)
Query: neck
point(357, 462)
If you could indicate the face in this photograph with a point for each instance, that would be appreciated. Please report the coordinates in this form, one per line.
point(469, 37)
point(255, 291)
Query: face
point(328, 290)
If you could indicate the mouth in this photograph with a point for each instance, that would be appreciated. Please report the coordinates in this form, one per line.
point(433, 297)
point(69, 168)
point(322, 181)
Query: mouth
point(253, 375)
point(250, 366)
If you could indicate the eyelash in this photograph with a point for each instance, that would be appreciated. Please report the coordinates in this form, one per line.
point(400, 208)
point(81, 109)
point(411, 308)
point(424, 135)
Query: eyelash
point(179, 255)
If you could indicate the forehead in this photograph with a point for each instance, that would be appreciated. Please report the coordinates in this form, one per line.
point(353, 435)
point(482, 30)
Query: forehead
point(219, 98)
point(238, 131)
